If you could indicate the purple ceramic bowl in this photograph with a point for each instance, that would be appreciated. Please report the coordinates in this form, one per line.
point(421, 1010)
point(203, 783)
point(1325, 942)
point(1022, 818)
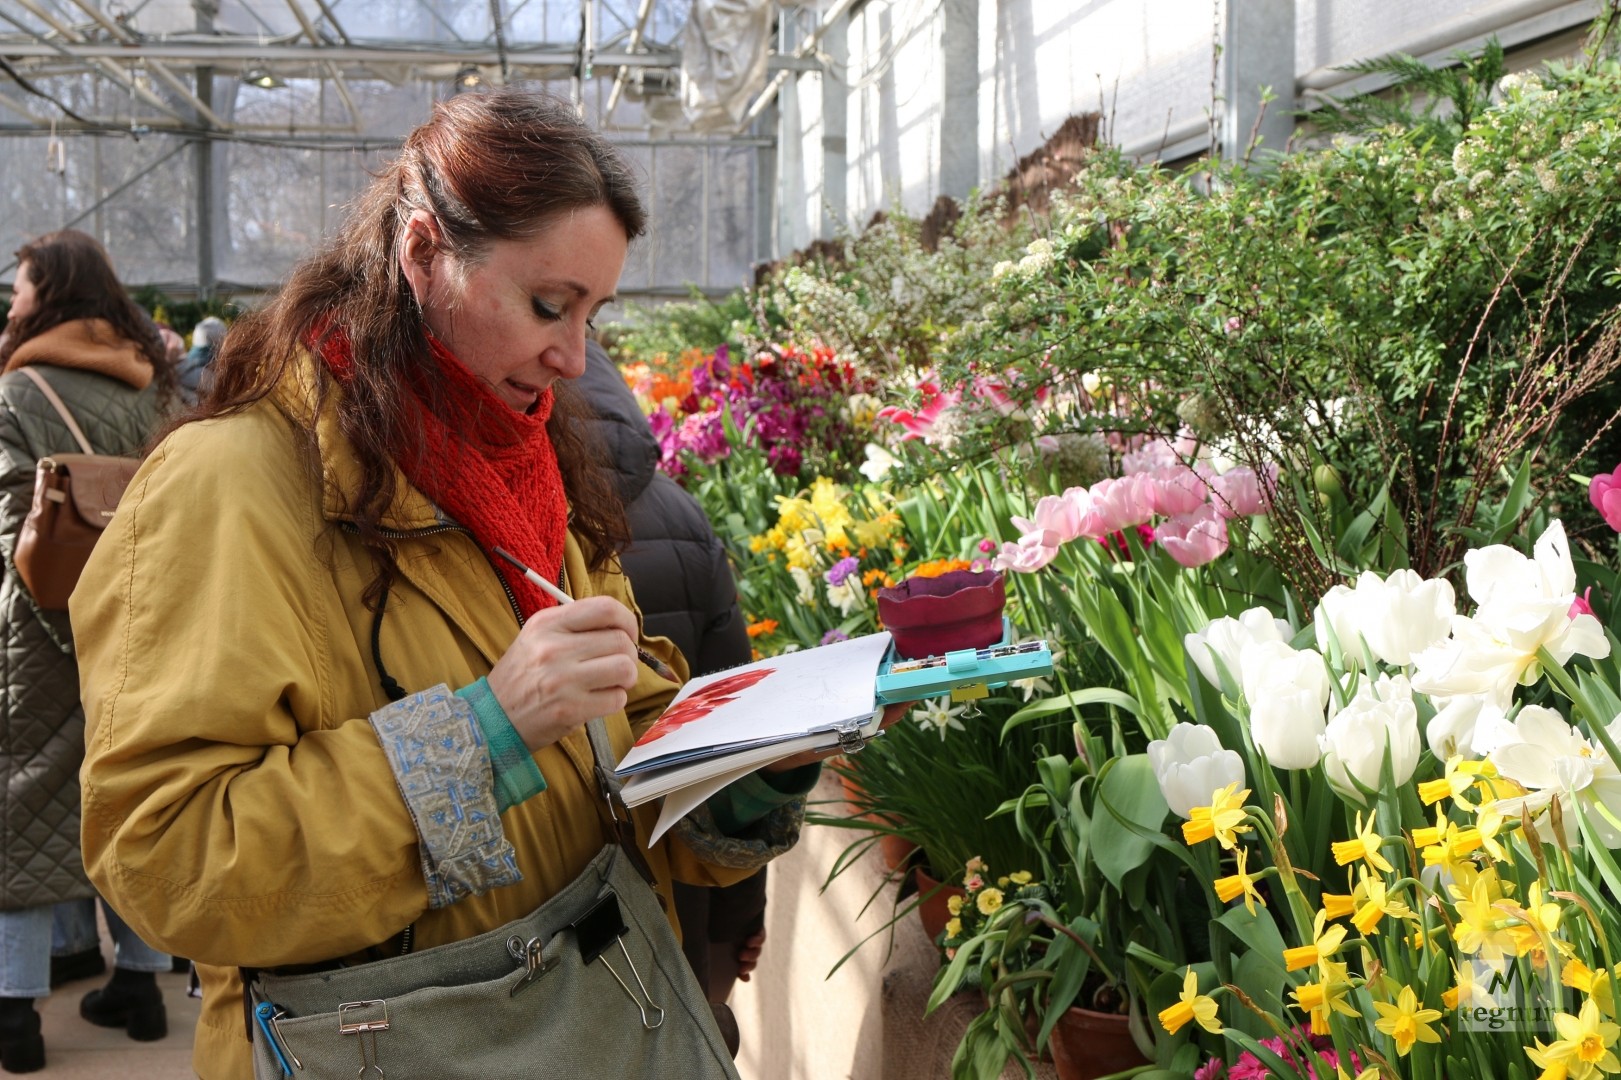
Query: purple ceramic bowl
point(929, 616)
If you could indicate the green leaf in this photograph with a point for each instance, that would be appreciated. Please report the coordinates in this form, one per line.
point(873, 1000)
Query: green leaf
point(1128, 790)
point(1096, 695)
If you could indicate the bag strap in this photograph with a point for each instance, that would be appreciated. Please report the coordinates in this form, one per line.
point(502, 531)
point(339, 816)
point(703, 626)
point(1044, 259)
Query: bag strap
point(61, 408)
point(609, 786)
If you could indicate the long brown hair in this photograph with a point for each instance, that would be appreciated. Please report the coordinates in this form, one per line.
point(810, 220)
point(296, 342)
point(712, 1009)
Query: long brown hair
point(74, 279)
point(496, 166)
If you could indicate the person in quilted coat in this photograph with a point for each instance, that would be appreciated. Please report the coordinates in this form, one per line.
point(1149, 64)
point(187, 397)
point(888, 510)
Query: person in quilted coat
point(72, 324)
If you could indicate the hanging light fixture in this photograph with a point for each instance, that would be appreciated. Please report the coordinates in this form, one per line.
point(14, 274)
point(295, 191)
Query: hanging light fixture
point(263, 78)
point(468, 78)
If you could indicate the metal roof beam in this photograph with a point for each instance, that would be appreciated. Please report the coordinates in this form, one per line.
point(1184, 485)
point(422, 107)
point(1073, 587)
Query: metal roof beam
point(331, 68)
point(642, 13)
point(104, 65)
point(158, 68)
point(769, 94)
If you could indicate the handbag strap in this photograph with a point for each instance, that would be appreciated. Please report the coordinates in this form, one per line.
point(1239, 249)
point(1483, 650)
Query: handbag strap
point(609, 787)
point(60, 407)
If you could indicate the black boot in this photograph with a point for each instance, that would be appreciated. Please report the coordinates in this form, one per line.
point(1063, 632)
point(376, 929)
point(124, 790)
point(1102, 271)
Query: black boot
point(132, 1001)
point(22, 1048)
point(74, 966)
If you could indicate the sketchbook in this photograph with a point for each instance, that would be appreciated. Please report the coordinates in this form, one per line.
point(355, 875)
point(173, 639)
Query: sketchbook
point(724, 725)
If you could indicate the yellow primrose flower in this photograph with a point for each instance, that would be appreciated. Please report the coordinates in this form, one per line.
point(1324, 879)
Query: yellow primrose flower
point(1222, 819)
point(954, 904)
point(1021, 877)
point(1233, 886)
point(1374, 903)
point(1338, 905)
point(953, 928)
point(1405, 1022)
point(1587, 1039)
point(1190, 1005)
point(989, 901)
point(1324, 945)
point(1365, 846)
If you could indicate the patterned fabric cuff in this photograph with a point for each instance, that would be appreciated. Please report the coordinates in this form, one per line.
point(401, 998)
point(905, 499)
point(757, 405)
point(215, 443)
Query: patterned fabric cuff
point(766, 839)
point(743, 802)
point(439, 760)
point(517, 775)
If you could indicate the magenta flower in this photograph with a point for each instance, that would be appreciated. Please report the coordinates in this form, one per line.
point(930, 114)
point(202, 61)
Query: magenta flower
point(1194, 539)
point(920, 424)
point(1241, 493)
point(1605, 494)
point(1582, 604)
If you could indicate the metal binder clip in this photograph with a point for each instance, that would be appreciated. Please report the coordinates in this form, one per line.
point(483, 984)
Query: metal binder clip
point(529, 952)
point(600, 929)
point(374, 1065)
point(851, 741)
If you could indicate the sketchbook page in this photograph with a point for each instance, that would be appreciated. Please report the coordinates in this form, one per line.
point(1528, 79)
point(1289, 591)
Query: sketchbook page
point(654, 783)
point(777, 698)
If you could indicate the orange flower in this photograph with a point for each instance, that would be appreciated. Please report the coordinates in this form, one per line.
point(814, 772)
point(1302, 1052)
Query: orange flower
point(764, 626)
point(937, 567)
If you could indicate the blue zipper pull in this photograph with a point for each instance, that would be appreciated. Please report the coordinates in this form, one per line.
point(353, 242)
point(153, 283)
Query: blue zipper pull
point(266, 1016)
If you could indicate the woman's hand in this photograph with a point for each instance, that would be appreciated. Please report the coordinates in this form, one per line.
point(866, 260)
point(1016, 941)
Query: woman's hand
point(570, 664)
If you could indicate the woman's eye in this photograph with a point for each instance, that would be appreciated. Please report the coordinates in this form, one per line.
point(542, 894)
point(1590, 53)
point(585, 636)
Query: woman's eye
point(544, 310)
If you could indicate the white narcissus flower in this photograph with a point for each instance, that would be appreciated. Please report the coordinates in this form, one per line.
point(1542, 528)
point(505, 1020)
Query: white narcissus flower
point(807, 585)
point(1405, 614)
point(1287, 692)
point(1191, 766)
point(878, 464)
point(1226, 637)
point(939, 714)
point(1381, 715)
point(1524, 605)
point(1549, 757)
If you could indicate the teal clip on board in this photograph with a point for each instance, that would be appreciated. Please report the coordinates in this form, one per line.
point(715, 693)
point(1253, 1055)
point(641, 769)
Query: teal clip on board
point(966, 674)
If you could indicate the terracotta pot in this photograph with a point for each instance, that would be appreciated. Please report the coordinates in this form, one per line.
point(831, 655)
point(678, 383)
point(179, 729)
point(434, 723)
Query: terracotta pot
point(933, 910)
point(894, 850)
point(1088, 1044)
point(933, 616)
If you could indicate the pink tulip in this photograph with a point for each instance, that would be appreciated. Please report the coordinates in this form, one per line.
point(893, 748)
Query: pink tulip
point(1155, 453)
point(1177, 490)
point(920, 424)
point(1030, 554)
point(1605, 494)
point(1241, 493)
point(1058, 514)
point(1118, 503)
point(1193, 539)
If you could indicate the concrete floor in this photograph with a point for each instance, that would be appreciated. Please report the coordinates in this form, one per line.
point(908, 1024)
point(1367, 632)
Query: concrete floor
point(77, 1050)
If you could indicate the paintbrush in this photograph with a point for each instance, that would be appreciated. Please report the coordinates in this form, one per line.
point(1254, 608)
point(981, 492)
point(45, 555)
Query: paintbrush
point(660, 668)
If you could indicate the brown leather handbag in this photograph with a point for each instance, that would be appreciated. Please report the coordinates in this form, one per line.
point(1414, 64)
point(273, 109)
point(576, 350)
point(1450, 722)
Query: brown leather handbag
point(74, 499)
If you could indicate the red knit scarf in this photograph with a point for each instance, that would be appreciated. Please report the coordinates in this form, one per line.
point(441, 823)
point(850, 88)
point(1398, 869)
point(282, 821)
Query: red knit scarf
point(489, 467)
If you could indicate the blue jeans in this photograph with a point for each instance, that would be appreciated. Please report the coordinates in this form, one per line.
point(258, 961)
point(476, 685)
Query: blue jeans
point(28, 938)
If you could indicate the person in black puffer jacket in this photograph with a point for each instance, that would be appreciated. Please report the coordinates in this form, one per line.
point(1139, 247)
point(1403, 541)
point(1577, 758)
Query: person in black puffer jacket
point(685, 589)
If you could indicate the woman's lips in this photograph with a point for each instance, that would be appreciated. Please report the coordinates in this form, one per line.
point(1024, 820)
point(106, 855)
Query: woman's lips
point(521, 396)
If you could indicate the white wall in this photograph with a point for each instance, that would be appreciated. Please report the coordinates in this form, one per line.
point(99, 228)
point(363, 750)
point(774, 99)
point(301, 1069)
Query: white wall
point(1147, 64)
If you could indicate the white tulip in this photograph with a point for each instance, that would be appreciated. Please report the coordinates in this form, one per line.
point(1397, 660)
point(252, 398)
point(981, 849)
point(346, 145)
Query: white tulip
point(1191, 766)
point(1338, 610)
point(1226, 638)
point(1461, 725)
point(1404, 614)
point(1287, 692)
point(1550, 757)
point(1381, 715)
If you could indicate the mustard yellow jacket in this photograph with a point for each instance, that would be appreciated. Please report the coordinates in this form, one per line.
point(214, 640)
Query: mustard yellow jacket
point(238, 808)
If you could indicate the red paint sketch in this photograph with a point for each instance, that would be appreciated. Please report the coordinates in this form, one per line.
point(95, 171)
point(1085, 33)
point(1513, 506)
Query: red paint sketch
point(702, 703)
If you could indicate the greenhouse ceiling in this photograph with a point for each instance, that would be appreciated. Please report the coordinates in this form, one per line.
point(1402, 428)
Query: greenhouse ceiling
point(696, 66)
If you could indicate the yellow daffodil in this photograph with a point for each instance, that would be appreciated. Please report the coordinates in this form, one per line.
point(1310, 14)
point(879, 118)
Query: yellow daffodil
point(989, 902)
point(1490, 821)
point(1481, 929)
point(1597, 985)
point(1405, 1022)
point(1325, 943)
point(1190, 1005)
point(1540, 917)
point(1364, 845)
point(1233, 886)
point(1338, 905)
point(1223, 819)
point(1585, 1039)
point(1460, 776)
point(1453, 851)
point(1553, 1068)
point(1374, 902)
point(1327, 995)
